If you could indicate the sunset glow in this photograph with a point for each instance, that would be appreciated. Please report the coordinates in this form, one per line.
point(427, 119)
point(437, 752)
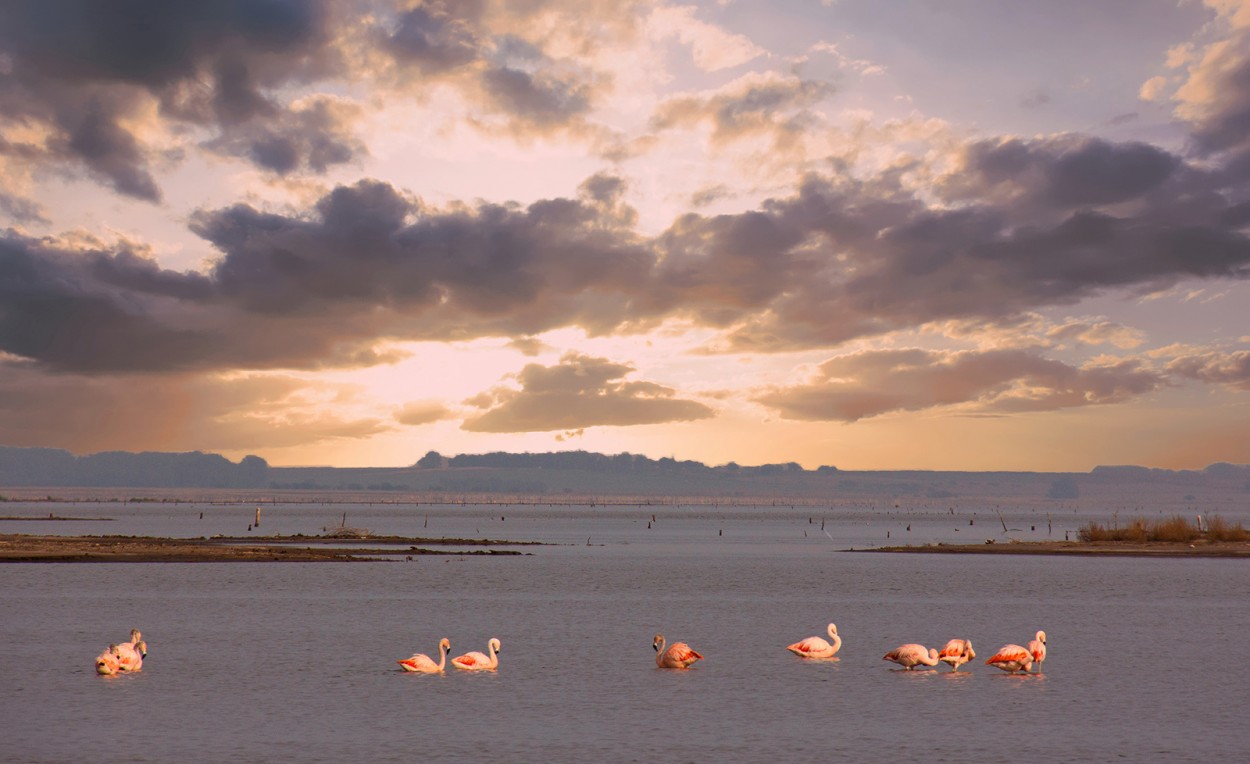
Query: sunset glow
point(871, 234)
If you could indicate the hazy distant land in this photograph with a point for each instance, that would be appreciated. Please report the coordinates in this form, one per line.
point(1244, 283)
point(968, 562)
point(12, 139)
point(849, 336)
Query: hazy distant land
point(583, 477)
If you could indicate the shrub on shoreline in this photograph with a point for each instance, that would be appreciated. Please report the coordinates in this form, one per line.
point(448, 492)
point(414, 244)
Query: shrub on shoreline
point(1175, 528)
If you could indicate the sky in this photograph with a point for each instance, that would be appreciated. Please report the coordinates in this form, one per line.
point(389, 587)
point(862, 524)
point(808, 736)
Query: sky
point(873, 234)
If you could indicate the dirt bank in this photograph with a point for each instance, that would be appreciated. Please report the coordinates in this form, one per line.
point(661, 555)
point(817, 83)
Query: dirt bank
point(28, 548)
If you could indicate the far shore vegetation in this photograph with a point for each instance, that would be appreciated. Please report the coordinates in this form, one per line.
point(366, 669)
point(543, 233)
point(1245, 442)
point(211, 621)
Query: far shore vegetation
point(1175, 528)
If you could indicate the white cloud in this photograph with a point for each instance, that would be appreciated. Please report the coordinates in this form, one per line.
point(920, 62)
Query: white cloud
point(713, 48)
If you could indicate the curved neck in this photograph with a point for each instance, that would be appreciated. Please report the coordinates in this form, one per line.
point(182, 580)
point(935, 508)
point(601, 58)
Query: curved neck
point(490, 650)
point(833, 635)
point(659, 651)
point(442, 655)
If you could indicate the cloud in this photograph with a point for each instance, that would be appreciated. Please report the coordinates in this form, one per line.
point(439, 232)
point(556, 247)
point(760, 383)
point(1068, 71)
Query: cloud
point(176, 412)
point(88, 74)
point(754, 104)
point(712, 47)
point(857, 386)
point(838, 259)
point(1064, 172)
point(580, 391)
point(310, 136)
point(499, 59)
point(432, 39)
point(1224, 368)
point(1214, 97)
point(1097, 332)
point(417, 413)
point(539, 100)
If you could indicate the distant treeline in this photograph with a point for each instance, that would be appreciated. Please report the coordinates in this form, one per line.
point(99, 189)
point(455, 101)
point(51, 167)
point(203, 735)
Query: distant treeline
point(55, 467)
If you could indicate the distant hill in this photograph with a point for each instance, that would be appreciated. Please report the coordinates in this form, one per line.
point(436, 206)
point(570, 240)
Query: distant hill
point(587, 474)
point(54, 467)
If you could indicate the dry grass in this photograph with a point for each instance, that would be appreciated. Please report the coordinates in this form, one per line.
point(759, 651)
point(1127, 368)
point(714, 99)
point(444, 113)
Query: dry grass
point(1175, 528)
point(1219, 529)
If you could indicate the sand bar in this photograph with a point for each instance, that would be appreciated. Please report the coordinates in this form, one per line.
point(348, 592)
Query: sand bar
point(1082, 548)
point(30, 548)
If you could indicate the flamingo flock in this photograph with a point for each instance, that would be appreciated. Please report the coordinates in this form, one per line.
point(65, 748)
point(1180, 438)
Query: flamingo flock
point(127, 657)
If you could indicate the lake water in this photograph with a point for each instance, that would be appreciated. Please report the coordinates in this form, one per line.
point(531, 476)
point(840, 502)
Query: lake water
point(296, 662)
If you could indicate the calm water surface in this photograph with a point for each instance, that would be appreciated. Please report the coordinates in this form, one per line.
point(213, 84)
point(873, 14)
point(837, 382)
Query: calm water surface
point(295, 662)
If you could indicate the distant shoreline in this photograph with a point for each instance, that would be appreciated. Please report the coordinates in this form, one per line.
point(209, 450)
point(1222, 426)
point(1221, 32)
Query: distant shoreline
point(1218, 549)
point(29, 548)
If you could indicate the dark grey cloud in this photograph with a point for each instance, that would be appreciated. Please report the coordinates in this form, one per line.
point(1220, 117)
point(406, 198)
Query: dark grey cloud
point(854, 387)
point(21, 209)
point(83, 69)
point(321, 289)
point(837, 260)
point(581, 391)
point(503, 74)
point(434, 39)
point(310, 136)
point(1069, 172)
point(539, 100)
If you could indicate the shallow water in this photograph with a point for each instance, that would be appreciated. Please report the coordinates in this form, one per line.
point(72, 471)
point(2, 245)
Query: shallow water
point(295, 662)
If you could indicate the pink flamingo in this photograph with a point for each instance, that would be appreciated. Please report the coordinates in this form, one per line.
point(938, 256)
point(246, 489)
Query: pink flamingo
point(956, 653)
point(106, 663)
point(423, 664)
point(1037, 647)
point(130, 654)
point(1011, 658)
point(677, 656)
point(910, 656)
point(476, 661)
point(815, 647)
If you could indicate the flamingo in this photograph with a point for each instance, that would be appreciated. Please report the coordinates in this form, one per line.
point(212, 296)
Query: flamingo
point(677, 656)
point(423, 664)
point(1011, 658)
point(815, 647)
point(476, 661)
point(106, 663)
point(957, 652)
point(910, 656)
point(1038, 648)
point(130, 654)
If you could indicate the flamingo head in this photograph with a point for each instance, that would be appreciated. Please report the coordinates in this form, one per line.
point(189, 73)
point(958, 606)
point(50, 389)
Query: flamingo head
point(135, 636)
point(658, 642)
point(1041, 637)
point(933, 654)
point(444, 645)
point(142, 648)
point(106, 663)
point(495, 647)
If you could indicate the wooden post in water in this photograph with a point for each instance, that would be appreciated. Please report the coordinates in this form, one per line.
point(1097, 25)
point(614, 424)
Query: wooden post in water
point(257, 523)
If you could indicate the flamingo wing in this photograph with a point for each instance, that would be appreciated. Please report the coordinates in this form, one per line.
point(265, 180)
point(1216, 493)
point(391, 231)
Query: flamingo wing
point(956, 648)
point(1010, 654)
point(682, 652)
point(418, 662)
point(810, 645)
point(679, 655)
point(471, 660)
